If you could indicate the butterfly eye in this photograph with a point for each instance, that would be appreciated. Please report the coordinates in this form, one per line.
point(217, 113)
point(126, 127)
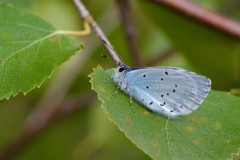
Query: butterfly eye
point(121, 69)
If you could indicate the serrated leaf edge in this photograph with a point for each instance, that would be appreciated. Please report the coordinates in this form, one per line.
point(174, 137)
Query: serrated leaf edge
point(235, 154)
point(14, 94)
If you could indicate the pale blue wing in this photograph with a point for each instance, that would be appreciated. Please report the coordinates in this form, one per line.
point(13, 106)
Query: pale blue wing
point(167, 91)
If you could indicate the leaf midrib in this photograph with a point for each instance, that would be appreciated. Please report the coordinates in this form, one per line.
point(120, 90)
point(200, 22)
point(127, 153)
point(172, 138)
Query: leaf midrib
point(30, 45)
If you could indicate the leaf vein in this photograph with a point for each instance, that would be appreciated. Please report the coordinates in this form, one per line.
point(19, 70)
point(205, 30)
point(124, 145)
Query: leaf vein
point(31, 44)
point(25, 25)
point(189, 141)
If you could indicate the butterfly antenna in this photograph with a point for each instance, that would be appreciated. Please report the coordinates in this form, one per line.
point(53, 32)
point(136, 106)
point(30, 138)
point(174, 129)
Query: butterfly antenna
point(105, 43)
point(104, 56)
point(108, 46)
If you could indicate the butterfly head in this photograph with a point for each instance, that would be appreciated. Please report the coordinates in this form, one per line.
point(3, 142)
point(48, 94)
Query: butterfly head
point(122, 68)
point(120, 72)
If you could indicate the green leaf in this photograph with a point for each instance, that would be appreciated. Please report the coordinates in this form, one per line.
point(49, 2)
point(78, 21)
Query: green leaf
point(21, 3)
point(213, 53)
point(30, 50)
point(210, 132)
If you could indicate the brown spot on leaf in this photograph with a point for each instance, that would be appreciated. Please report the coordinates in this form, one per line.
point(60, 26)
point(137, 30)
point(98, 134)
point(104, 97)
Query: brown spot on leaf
point(54, 38)
point(196, 142)
point(146, 112)
point(198, 120)
point(154, 144)
point(189, 129)
point(157, 135)
point(217, 126)
point(128, 120)
point(107, 98)
point(102, 89)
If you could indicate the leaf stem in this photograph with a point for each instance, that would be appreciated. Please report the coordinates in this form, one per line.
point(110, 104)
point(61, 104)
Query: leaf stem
point(86, 31)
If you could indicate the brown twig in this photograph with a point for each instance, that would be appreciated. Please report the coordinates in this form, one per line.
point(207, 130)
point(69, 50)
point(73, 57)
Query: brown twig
point(29, 131)
point(88, 18)
point(129, 29)
point(196, 12)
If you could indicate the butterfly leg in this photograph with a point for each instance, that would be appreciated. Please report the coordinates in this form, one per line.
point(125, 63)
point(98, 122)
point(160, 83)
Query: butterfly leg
point(128, 90)
point(118, 87)
point(131, 102)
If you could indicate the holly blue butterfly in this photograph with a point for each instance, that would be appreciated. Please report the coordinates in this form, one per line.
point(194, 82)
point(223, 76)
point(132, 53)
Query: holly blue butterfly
point(168, 91)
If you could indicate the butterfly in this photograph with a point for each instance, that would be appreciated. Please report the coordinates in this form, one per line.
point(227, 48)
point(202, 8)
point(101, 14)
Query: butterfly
point(168, 91)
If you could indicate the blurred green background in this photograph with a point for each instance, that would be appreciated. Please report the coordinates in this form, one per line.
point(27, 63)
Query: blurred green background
point(85, 132)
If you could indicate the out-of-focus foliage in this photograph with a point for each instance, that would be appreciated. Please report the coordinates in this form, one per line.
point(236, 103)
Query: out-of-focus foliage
point(200, 44)
point(87, 133)
point(21, 3)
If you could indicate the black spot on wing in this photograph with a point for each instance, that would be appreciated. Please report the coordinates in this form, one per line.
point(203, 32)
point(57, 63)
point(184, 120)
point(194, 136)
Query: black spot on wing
point(163, 104)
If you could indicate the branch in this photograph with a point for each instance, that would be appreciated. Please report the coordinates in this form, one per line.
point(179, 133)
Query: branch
point(88, 18)
point(212, 19)
point(29, 132)
point(129, 30)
